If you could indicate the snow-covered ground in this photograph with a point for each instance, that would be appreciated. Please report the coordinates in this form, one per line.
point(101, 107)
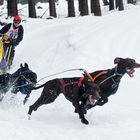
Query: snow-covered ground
point(92, 43)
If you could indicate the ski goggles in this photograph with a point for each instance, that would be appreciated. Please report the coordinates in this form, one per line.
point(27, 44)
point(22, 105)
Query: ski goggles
point(17, 21)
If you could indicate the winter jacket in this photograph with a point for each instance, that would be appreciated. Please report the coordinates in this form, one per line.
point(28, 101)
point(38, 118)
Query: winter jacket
point(19, 38)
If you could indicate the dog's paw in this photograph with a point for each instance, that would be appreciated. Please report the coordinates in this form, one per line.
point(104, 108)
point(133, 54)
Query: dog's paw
point(84, 121)
point(29, 117)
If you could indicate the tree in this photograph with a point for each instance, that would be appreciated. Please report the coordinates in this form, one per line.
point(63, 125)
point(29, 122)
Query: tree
point(105, 2)
point(111, 4)
point(84, 8)
point(130, 1)
point(71, 9)
point(95, 7)
point(80, 5)
point(52, 8)
point(1, 2)
point(120, 5)
point(12, 7)
point(32, 10)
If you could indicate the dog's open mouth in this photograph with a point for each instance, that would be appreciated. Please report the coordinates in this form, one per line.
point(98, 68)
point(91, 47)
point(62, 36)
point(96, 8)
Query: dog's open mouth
point(130, 71)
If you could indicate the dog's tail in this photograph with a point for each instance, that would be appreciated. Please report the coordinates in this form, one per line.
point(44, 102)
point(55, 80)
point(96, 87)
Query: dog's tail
point(34, 88)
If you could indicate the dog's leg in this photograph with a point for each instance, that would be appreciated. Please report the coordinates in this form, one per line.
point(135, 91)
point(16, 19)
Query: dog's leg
point(26, 98)
point(35, 106)
point(83, 107)
point(81, 115)
point(78, 107)
point(102, 101)
point(45, 98)
point(2, 96)
point(78, 104)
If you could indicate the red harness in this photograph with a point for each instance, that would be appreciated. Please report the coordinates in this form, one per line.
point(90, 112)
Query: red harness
point(79, 83)
point(63, 84)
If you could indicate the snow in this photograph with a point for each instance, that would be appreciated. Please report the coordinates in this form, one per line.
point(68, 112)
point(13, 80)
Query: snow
point(92, 43)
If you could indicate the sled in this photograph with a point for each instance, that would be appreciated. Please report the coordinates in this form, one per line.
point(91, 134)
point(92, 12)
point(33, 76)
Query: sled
point(1, 50)
point(5, 51)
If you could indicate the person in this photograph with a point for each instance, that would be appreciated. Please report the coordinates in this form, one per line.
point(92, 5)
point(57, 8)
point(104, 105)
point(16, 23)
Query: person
point(15, 33)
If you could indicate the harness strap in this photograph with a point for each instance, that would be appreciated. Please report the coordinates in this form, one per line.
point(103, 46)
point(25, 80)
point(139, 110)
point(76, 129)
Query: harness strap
point(108, 78)
point(96, 76)
point(63, 84)
point(89, 76)
point(80, 81)
point(99, 74)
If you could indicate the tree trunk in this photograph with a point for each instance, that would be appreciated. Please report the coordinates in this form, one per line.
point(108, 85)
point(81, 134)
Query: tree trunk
point(12, 7)
point(80, 5)
point(71, 9)
point(32, 10)
point(92, 6)
point(95, 7)
point(105, 2)
point(1, 2)
point(111, 4)
point(120, 4)
point(84, 8)
point(130, 1)
point(117, 3)
point(52, 8)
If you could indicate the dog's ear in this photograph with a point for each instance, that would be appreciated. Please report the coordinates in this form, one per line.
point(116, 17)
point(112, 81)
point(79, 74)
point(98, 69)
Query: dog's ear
point(117, 60)
point(21, 65)
point(26, 65)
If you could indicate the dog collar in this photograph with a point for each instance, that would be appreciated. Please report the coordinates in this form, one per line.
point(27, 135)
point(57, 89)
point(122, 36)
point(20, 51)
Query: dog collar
point(117, 73)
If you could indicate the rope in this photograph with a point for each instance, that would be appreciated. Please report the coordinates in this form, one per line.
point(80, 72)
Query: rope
point(29, 82)
point(59, 73)
point(89, 76)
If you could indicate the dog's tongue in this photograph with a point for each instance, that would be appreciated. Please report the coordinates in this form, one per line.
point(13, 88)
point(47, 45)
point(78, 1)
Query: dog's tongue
point(130, 72)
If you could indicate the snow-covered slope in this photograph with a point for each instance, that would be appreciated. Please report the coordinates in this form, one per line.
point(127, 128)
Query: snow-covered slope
point(89, 42)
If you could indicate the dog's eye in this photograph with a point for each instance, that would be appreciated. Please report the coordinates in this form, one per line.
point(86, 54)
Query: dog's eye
point(128, 67)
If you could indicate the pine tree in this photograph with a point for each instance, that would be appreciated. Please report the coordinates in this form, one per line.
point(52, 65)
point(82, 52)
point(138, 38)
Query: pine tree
point(12, 7)
point(120, 5)
point(84, 8)
point(71, 9)
point(130, 1)
point(32, 10)
point(105, 2)
point(95, 7)
point(111, 4)
point(52, 8)
point(1, 2)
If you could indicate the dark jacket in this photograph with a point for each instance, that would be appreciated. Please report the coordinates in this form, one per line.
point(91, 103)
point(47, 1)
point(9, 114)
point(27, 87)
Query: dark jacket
point(20, 33)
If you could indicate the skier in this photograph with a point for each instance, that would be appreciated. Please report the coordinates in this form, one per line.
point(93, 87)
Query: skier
point(14, 31)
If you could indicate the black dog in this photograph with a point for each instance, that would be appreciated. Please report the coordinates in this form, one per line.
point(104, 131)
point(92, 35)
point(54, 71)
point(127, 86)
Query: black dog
point(83, 93)
point(108, 80)
point(22, 80)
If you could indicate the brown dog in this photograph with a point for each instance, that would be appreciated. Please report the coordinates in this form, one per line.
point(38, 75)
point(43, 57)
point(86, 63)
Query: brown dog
point(83, 93)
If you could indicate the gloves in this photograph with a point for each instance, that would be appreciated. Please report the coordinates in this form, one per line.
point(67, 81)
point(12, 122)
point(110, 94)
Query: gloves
point(14, 43)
